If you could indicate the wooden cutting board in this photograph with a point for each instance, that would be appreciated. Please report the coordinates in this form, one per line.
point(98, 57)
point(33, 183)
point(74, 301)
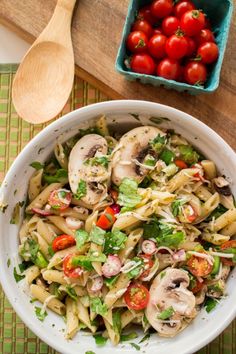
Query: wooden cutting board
point(97, 29)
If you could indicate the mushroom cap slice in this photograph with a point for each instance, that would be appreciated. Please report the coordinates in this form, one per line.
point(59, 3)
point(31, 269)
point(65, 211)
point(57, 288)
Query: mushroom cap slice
point(133, 145)
point(169, 289)
point(96, 176)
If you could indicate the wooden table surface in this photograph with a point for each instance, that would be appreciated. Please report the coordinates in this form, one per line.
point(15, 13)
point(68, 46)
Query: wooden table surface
point(97, 29)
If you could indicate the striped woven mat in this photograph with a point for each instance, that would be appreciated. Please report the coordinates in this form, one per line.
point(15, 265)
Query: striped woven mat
point(15, 337)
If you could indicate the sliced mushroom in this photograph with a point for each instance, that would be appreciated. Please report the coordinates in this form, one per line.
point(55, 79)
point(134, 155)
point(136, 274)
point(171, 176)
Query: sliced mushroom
point(222, 186)
point(96, 176)
point(169, 289)
point(133, 145)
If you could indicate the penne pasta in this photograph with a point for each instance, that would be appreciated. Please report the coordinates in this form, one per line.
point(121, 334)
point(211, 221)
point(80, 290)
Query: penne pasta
point(72, 320)
point(42, 295)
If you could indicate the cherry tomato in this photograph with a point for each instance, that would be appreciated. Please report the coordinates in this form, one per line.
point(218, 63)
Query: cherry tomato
point(181, 164)
point(145, 14)
point(208, 52)
point(148, 264)
point(157, 30)
point(176, 46)
point(192, 47)
point(137, 297)
point(137, 42)
point(143, 26)
point(197, 287)
point(208, 24)
point(170, 25)
point(199, 267)
point(63, 241)
point(161, 8)
point(192, 22)
point(169, 69)
point(143, 64)
point(195, 73)
point(107, 219)
point(205, 35)
point(69, 269)
point(228, 244)
point(183, 6)
point(60, 199)
point(156, 46)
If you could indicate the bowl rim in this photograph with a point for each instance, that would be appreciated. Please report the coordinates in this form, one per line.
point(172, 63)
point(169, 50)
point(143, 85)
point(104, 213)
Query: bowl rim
point(66, 120)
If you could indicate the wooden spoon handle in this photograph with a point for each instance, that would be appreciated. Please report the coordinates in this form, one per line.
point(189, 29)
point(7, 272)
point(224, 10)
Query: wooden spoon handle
point(67, 4)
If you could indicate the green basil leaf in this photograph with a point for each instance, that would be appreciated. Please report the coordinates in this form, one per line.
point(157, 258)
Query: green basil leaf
point(98, 306)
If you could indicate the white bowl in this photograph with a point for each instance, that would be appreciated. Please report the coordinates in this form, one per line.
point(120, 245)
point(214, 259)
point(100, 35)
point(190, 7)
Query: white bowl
point(206, 326)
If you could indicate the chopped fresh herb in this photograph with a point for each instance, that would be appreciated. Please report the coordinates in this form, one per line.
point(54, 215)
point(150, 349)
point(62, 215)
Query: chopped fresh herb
point(60, 176)
point(136, 346)
point(146, 337)
point(188, 154)
point(71, 292)
point(99, 339)
point(151, 229)
point(128, 193)
point(18, 277)
point(98, 306)
point(150, 162)
point(81, 237)
point(86, 261)
point(158, 143)
point(167, 156)
point(171, 240)
point(135, 272)
point(111, 281)
point(116, 321)
point(41, 315)
point(36, 256)
point(97, 235)
point(81, 190)
point(114, 241)
point(37, 165)
point(164, 315)
point(176, 206)
point(210, 304)
point(95, 161)
point(8, 262)
point(129, 336)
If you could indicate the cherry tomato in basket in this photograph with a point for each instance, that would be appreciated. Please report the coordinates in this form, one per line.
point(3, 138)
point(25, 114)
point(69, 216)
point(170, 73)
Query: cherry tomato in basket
point(195, 73)
point(148, 264)
point(204, 36)
point(181, 164)
point(169, 69)
point(69, 269)
point(192, 47)
point(208, 52)
point(137, 42)
point(145, 14)
point(161, 8)
point(192, 22)
point(157, 30)
point(107, 219)
point(176, 46)
point(143, 26)
point(143, 64)
point(170, 25)
point(200, 267)
point(137, 297)
point(157, 46)
point(60, 199)
point(183, 6)
point(63, 241)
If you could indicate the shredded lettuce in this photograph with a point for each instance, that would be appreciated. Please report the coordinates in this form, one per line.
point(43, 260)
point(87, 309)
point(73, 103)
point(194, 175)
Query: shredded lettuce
point(188, 154)
point(98, 306)
point(85, 261)
point(128, 193)
point(176, 206)
point(81, 237)
point(114, 241)
point(167, 237)
point(97, 235)
point(151, 229)
point(136, 271)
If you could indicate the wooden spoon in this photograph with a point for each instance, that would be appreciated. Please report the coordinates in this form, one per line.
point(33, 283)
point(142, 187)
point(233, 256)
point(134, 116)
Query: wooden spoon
point(44, 79)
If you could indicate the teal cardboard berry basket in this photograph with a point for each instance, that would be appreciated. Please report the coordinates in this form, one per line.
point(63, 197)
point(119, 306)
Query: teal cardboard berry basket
point(218, 11)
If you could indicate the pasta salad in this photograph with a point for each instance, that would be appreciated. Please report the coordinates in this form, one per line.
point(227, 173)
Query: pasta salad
point(137, 229)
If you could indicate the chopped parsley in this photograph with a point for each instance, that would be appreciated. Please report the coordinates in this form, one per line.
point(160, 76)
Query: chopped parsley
point(37, 165)
point(167, 313)
point(95, 161)
point(111, 281)
point(41, 315)
point(167, 237)
point(114, 241)
point(98, 306)
point(81, 190)
point(85, 261)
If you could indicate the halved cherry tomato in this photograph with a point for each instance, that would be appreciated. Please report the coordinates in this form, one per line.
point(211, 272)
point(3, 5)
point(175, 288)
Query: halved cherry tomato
point(60, 199)
point(189, 212)
point(70, 270)
point(199, 267)
point(197, 287)
point(228, 244)
point(137, 297)
point(181, 164)
point(148, 264)
point(63, 241)
point(107, 219)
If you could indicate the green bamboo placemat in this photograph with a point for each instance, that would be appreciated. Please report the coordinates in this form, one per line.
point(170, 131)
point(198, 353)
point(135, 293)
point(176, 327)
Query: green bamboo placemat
point(15, 337)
